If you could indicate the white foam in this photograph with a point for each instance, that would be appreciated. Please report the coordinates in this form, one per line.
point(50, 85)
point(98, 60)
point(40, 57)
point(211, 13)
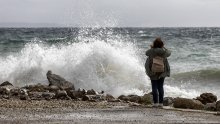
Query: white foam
point(113, 67)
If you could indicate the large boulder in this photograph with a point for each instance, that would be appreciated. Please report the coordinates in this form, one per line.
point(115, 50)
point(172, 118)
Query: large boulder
point(218, 105)
point(6, 83)
point(147, 99)
point(59, 81)
point(5, 88)
point(207, 98)
point(187, 103)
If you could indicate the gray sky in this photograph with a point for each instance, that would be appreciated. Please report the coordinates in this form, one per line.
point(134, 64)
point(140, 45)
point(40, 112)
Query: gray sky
point(128, 13)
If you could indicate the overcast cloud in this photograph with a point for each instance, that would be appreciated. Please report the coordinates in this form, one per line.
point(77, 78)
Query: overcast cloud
point(128, 13)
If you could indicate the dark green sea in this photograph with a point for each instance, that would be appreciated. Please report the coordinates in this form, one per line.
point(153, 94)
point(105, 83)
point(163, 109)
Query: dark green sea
point(111, 59)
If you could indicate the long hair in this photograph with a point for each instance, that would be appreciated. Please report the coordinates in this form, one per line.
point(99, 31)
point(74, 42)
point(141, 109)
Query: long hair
point(158, 43)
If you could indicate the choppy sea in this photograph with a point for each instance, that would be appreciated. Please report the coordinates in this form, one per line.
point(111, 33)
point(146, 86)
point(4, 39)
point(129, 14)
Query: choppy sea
point(111, 59)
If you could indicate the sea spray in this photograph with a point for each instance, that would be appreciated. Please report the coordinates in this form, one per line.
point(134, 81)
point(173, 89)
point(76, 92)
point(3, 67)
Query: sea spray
point(111, 59)
point(113, 67)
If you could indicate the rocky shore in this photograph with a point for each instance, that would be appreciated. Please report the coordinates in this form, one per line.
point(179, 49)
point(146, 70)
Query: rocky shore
point(61, 94)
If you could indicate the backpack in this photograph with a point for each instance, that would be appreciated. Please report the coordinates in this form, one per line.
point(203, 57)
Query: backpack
point(157, 65)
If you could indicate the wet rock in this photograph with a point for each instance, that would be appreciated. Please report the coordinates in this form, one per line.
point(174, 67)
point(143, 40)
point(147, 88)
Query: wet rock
point(187, 103)
point(167, 101)
point(93, 98)
point(218, 105)
point(37, 88)
point(59, 81)
point(62, 94)
point(131, 98)
point(207, 98)
point(53, 88)
point(85, 98)
point(147, 99)
point(5, 88)
point(91, 92)
point(15, 93)
point(123, 97)
point(134, 98)
point(109, 97)
point(23, 94)
point(6, 83)
point(210, 106)
point(5, 96)
point(35, 95)
point(76, 94)
point(48, 95)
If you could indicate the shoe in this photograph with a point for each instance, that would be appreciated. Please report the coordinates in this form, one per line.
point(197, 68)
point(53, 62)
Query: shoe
point(160, 105)
point(155, 105)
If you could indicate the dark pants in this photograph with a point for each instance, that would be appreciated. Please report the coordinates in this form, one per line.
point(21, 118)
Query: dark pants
point(157, 90)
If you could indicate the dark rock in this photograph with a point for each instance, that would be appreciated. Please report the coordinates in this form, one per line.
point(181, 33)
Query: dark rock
point(35, 95)
point(146, 99)
point(5, 90)
point(53, 88)
point(167, 101)
point(15, 93)
point(59, 81)
point(123, 97)
point(131, 98)
point(85, 98)
point(187, 103)
point(218, 105)
point(61, 94)
point(114, 100)
point(134, 98)
point(37, 88)
point(207, 98)
point(93, 98)
point(76, 94)
point(48, 95)
point(5, 96)
point(109, 97)
point(91, 92)
point(210, 106)
point(5, 84)
point(24, 95)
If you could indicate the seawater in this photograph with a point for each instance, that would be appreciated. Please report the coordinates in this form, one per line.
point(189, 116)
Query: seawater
point(111, 59)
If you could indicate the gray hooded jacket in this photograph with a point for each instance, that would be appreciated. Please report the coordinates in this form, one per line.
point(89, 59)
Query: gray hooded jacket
point(153, 52)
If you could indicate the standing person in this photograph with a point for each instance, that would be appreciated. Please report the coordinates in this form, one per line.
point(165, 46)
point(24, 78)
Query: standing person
point(157, 68)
